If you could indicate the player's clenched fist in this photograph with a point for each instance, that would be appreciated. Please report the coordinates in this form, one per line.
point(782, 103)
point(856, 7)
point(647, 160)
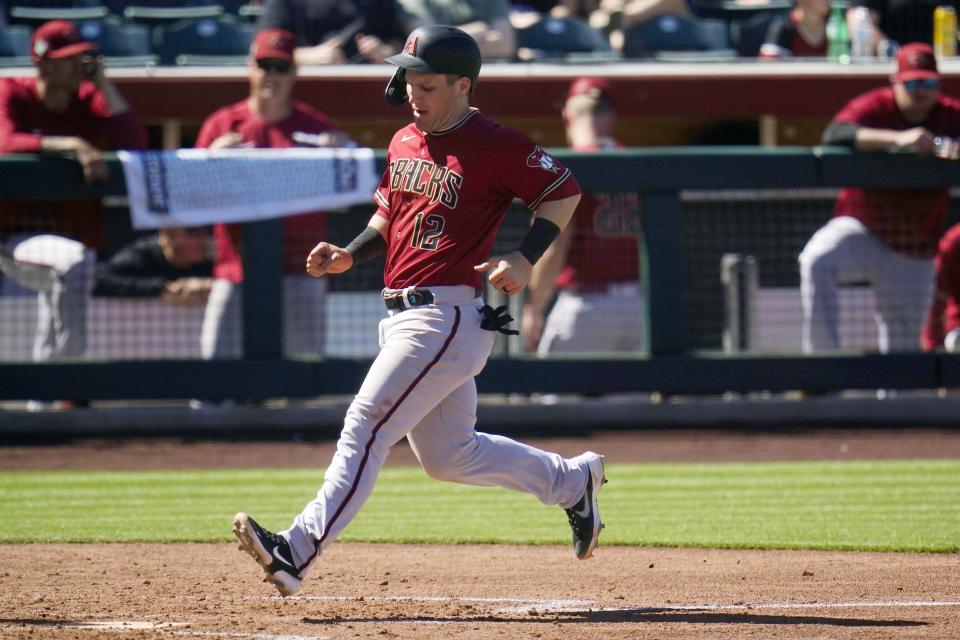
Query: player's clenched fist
point(328, 258)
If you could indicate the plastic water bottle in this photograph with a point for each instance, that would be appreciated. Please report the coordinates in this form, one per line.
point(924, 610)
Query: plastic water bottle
point(838, 38)
point(861, 36)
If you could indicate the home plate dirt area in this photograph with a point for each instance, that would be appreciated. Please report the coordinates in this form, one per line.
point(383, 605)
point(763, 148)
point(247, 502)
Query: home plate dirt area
point(92, 591)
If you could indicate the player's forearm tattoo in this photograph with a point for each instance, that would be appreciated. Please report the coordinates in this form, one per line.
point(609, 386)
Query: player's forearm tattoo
point(542, 233)
point(367, 246)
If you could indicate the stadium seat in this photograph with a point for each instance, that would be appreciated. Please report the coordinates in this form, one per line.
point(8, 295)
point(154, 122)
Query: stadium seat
point(117, 7)
point(221, 36)
point(664, 36)
point(34, 16)
point(747, 34)
point(242, 8)
point(558, 37)
point(730, 10)
point(52, 4)
point(120, 42)
point(15, 46)
point(250, 11)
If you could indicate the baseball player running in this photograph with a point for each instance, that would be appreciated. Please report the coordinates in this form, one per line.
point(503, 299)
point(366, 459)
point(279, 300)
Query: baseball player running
point(451, 176)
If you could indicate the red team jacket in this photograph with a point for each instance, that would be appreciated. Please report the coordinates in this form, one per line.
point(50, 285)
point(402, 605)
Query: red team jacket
point(445, 194)
point(907, 220)
point(301, 232)
point(784, 40)
point(944, 315)
point(24, 121)
point(603, 250)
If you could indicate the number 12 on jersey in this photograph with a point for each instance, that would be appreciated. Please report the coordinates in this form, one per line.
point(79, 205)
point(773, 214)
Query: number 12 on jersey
point(426, 231)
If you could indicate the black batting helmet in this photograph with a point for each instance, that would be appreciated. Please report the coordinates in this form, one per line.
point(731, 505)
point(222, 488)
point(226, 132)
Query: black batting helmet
point(433, 48)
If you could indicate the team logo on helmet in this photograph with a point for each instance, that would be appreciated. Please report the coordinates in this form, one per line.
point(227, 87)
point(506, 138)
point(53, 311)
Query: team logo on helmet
point(411, 46)
point(542, 159)
point(40, 47)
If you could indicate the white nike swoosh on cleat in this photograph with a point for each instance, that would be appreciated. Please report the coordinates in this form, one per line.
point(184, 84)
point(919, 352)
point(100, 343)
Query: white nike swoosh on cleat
point(586, 510)
point(278, 556)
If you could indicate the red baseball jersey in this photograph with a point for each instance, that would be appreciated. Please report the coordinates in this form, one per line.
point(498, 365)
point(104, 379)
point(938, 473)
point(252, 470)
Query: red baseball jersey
point(603, 250)
point(944, 315)
point(23, 123)
point(445, 194)
point(302, 128)
point(784, 39)
point(24, 120)
point(907, 220)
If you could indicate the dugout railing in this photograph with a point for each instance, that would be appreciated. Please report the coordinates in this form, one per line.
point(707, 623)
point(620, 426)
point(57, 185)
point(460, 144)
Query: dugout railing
point(674, 364)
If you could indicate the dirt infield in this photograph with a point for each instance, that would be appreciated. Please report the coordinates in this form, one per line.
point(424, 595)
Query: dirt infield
point(481, 592)
point(118, 591)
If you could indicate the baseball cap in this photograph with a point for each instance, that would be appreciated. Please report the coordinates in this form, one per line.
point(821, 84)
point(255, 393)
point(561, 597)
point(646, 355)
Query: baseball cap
point(589, 86)
point(916, 60)
point(57, 39)
point(273, 43)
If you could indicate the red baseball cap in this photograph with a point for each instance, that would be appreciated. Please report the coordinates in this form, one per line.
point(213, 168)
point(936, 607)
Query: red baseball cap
point(273, 43)
point(589, 86)
point(58, 39)
point(916, 60)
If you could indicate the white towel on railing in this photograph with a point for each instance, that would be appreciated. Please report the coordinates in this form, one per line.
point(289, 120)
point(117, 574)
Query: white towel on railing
point(192, 187)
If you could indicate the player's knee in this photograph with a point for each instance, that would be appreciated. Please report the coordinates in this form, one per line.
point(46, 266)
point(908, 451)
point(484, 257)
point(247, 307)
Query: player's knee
point(449, 465)
point(440, 469)
point(816, 265)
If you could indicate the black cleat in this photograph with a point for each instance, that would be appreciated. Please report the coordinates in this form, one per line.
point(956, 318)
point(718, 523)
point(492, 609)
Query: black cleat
point(584, 516)
point(271, 551)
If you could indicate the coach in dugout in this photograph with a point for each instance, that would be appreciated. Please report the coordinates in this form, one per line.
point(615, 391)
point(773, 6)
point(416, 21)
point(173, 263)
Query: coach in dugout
point(593, 262)
point(885, 237)
point(69, 109)
point(268, 118)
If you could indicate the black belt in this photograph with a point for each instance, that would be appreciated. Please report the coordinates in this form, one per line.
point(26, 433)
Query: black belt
point(407, 298)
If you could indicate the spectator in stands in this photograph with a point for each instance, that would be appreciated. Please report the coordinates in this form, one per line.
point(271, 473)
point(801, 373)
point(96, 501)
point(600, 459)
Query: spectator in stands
point(942, 328)
point(886, 237)
point(69, 109)
point(268, 118)
point(594, 260)
point(338, 31)
point(900, 21)
point(487, 22)
point(523, 13)
point(173, 266)
point(800, 33)
point(616, 16)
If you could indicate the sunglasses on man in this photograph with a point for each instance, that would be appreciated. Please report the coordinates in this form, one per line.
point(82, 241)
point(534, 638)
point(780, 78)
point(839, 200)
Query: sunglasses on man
point(930, 84)
point(274, 66)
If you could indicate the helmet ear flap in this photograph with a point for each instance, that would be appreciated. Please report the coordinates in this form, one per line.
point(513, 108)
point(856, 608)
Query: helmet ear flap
point(396, 92)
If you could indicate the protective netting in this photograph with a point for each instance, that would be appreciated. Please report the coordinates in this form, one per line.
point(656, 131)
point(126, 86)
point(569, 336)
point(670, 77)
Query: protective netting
point(740, 286)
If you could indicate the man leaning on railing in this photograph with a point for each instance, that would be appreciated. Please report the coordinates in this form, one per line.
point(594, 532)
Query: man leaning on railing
point(69, 109)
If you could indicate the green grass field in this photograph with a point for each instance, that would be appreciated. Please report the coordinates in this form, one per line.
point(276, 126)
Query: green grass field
point(908, 505)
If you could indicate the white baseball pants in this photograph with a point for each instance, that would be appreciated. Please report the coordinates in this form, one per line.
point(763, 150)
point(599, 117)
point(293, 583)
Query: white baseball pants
point(421, 386)
point(597, 321)
point(845, 251)
point(60, 270)
point(303, 318)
